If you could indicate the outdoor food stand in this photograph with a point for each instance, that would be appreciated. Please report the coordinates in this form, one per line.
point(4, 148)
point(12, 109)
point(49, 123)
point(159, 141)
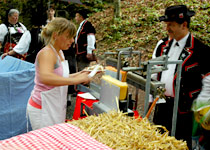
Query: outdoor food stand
point(108, 121)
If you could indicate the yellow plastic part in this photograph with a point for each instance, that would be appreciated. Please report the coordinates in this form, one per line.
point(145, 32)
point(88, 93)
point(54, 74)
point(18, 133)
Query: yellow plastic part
point(113, 69)
point(122, 85)
point(199, 117)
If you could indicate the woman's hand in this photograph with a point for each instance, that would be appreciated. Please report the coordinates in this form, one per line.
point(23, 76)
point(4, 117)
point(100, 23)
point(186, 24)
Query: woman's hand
point(10, 53)
point(4, 55)
point(84, 77)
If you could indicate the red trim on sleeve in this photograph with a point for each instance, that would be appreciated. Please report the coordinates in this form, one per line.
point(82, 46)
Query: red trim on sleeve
point(206, 75)
point(192, 92)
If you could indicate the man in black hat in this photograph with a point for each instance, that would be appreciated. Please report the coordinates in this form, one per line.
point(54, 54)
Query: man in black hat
point(85, 41)
point(195, 76)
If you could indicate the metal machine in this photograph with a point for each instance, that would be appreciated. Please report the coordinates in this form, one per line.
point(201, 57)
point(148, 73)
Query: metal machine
point(104, 93)
point(139, 77)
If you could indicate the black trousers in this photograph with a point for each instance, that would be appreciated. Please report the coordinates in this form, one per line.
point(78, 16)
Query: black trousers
point(72, 69)
point(163, 116)
point(205, 142)
point(82, 61)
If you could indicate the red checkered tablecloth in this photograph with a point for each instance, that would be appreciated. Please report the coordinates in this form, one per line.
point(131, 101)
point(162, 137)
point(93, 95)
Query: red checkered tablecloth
point(58, 137)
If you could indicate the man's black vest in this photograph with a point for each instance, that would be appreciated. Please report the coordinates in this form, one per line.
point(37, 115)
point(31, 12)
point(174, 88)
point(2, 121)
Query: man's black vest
point(195, 56)
point(81, 46)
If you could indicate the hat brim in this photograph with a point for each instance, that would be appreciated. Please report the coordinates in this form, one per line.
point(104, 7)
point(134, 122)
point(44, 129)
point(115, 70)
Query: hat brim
point(163, 18)
point(190, 13)
point(166, 18)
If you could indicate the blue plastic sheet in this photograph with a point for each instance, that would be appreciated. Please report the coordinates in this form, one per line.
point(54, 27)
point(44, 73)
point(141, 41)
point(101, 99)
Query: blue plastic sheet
point(16, 84)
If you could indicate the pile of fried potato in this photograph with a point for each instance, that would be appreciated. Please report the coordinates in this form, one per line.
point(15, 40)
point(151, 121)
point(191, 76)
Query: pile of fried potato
point(100, 68)
point(118, 131)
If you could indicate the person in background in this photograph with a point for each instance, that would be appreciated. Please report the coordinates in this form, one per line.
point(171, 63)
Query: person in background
point(81, 52)
point(38, 20)
point(85, 41)
point(38, 24)
point(47, 104)
point(71, 57)
point(195, 76)
point(50, 13)
point(14, 37)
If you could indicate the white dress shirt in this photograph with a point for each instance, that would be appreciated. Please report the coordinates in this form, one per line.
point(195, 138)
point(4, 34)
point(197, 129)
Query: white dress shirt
point(173, 54)
point(78, 30)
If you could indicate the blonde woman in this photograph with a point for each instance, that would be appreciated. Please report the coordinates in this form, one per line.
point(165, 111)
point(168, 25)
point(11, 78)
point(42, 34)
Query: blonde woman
point(47, 104)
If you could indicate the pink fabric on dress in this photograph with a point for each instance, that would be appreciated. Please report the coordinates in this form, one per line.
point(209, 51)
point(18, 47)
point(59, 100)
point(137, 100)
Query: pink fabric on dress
point(40, 87)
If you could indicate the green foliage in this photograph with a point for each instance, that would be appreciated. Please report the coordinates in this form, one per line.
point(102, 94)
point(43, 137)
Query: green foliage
point(4, 8)
point(139, 26)
point(98, 5)
point(33, 12)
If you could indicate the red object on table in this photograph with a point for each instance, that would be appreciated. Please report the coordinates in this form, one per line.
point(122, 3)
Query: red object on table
point(89, 103)
point(80, 100)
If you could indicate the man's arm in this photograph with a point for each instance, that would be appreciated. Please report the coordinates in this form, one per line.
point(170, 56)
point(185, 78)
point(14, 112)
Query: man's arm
point(205, 92)
point(90, 45)
point(23, 44)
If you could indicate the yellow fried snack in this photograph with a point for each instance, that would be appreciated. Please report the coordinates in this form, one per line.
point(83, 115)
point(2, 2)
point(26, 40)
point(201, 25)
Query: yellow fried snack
point(100, 68)
point(120, 132)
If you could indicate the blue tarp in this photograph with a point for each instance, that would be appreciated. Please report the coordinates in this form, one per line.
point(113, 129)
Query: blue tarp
point(16, 84)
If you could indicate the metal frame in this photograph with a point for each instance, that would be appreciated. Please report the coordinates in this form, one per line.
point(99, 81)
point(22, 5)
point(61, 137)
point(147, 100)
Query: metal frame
point(126, 51)
point(123, 51)
point(150, 69)
point(129, 53)
point(177, 88)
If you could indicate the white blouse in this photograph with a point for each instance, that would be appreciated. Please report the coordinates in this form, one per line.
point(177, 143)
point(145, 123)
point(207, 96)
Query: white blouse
point(24, 42)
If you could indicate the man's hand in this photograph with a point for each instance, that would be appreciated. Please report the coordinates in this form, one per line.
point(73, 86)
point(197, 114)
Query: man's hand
point(91, 57)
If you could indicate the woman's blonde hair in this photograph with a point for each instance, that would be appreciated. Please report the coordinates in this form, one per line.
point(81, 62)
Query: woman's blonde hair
point(58, 25)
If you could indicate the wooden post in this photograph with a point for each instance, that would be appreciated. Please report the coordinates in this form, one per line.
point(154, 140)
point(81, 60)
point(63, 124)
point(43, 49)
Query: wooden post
point(117, 12)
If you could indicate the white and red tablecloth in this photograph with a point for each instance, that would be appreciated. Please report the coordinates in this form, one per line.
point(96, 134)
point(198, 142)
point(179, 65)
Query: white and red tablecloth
point(58, 137)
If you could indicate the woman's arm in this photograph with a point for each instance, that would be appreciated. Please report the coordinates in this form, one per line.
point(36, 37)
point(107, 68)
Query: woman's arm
point(74, 74)
point(10, 53)
point(46, 62)
point(78, 73)
point(23, 44)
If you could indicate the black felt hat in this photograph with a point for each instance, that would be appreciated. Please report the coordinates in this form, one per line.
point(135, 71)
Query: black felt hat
point(83, 12)
point(178, 13)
